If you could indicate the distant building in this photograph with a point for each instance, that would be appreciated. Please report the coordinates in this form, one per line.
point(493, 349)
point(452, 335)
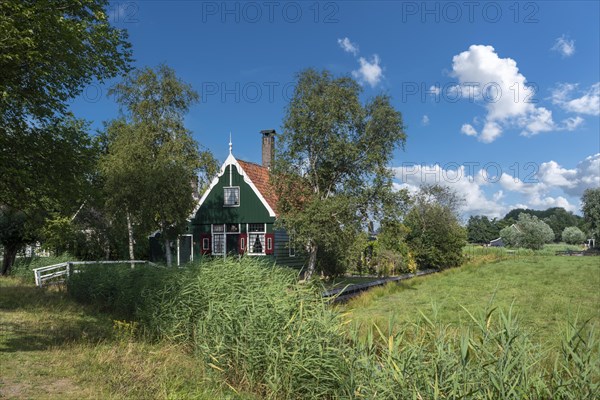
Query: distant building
point(497, 243)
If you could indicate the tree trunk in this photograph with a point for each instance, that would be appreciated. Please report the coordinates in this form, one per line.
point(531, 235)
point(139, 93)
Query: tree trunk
point(312, 260)
point(168, 252)
point(130, 235)
point(163, 231)
point(10, 253)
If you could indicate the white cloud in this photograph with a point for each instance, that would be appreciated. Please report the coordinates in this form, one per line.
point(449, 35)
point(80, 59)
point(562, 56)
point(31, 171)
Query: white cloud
point(369, 71)
point(549, 185)
point(348, 46)
point(571, 123)
point(497, 82)
point(588, 103)
point(468, 130)
point(425, 120)
point(565, 46)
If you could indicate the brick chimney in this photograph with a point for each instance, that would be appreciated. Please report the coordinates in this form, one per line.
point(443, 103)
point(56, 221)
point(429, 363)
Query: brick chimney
point(268, 147)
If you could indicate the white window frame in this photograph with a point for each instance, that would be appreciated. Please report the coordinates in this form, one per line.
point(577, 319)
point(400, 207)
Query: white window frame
point(225, 196)
point(214, 235)
point(262, 237)
point(205, 243)
point(291, 247)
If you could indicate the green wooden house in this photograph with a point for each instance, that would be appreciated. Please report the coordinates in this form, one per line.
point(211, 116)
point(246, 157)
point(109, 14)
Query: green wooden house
point(236, 215)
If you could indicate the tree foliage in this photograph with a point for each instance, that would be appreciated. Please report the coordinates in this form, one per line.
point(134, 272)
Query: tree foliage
point(591, 211)
point(152, 159)
point(331, 171)
point(49, 51)
point(480, 229)
point(573, 235)
point(529, 232)
point(556, 217)
point(435, 236)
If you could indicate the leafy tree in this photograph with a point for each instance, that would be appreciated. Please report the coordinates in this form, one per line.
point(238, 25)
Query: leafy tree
point(50, 50)
point(591, 211)
point(332, 169)
point(573, 235)
point(152, 158)
point(556, 217)
point(529, 232)
point(481, 230)
point(55, 185)
point(436, 237)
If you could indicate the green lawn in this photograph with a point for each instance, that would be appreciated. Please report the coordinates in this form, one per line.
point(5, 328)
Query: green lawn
point(53, 348)
point(547, 291)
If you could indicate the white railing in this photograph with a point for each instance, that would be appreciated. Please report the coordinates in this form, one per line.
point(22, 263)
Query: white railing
point(59, 272)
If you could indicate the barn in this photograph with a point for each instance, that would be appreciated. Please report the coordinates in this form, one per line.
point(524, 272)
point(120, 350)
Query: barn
point(236, 215)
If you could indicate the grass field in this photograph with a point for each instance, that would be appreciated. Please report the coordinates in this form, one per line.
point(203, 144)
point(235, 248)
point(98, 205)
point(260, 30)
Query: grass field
point(54, 348)
point(545, 292)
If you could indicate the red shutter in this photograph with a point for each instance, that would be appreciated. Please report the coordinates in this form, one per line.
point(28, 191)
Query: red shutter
point(270, 243)
point(204, 236)
point(243, 243)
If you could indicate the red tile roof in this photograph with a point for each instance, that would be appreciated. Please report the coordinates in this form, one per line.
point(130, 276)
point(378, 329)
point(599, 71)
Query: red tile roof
point(259, 175)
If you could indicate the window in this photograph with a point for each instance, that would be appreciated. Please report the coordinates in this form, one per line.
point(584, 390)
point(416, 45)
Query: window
point(292, 247)
point(232, 196)
point(205, 243)
point(256, 238)
point(243, 243)
point(218, 239)
point(269, 243)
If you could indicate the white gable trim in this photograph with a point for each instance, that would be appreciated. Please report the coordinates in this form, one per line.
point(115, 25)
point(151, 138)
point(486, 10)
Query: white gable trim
point(231, 160)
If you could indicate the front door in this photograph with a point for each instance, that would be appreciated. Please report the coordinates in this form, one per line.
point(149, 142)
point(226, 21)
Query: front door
point(184, 249)
point(233, 244)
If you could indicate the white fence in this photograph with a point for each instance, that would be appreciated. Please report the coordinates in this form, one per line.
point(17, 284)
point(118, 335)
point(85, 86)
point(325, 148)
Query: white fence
point(59, 272)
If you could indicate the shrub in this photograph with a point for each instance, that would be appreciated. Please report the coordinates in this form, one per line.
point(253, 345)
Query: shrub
point(529, 232)
point(573, 235)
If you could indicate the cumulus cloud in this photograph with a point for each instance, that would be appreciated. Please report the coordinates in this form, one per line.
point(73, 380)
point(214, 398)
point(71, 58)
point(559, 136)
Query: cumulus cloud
point(564, 46)
point(468, 130)
point(588, 103)
point(369, 71)
point(348, 46)
point(425, 120)
point(496, 82)
point(492, 192)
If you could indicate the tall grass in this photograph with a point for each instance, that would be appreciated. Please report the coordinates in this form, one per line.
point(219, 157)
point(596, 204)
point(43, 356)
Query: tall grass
point(259, 330)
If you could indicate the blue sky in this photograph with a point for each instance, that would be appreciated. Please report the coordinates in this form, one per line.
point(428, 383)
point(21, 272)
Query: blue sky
point(500, 99)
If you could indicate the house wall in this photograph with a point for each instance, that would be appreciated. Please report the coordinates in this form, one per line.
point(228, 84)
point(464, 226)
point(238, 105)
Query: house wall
point(250, 210)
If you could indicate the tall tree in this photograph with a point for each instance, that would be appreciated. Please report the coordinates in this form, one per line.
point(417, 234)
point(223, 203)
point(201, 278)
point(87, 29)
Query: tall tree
point(590, 205)
point(332, 168)
point(49, 51)
point(152, 158)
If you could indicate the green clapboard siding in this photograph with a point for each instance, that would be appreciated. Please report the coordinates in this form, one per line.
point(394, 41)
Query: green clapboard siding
point(282, 251)
point(251, 209)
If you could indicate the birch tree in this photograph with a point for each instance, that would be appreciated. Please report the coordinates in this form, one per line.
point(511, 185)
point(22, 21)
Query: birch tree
point(332, 170)
point(152, 159)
